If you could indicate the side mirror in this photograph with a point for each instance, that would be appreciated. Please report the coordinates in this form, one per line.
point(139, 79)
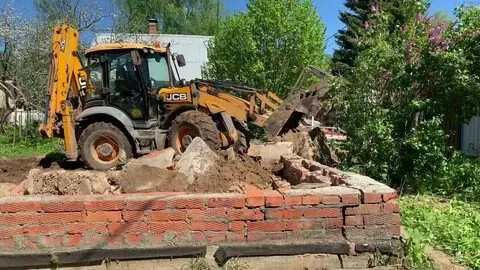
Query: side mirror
point(136, 59)
point(181, 60)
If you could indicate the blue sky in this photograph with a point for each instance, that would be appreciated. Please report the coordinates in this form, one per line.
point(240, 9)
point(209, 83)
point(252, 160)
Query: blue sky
point(327, 9)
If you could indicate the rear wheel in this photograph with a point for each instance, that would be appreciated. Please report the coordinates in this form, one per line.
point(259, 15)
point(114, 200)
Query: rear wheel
point(191, 124)
point(103, 146)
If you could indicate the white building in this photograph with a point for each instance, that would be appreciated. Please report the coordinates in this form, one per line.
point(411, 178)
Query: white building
point(194, 48)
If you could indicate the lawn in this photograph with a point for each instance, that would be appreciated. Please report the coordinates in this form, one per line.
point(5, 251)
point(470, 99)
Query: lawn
point(36, 147)
point(449, 225)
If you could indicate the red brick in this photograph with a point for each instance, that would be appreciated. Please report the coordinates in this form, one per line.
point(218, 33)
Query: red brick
point(19, 219)
point(155, 239)
point(206, 214)
point(273, 198)
point(351, 199)
point(236, 226)
point(58, 207)
point(364, 209)
point(244, 214)
point(10, 232)
point(330, 199)
point(166, 215)
point(60, 217)
point(197, 236)
point(160, 227)
point(133, 239)
point(52, 241)
point(353, 221)
point(310, 200)
point(186, 203)
point(296, 225)
point(372, 197)
point(102, 216)
point(394, 230)
point(321, 212)
point(391, 206)
point(393, 219)
point(34, 230)
point(14, 207)
point(72, 240)
point(104, 205)
point(235, 237)
point(255, 196)
point(7, 244)
point(114, 240)
point(133, 215)
point(283, 213)
point(266, 226)
point(256, 236)
point(215, 237)
point(237, 202)
point(146, 205)
point(208, 226)
point(293, 200)
point(389, 196)
point(127, 227)
point(333, 223)
point(74, 228)
point(94, 239)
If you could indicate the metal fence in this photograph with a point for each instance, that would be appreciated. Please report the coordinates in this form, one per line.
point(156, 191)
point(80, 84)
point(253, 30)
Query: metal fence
point(22, 117)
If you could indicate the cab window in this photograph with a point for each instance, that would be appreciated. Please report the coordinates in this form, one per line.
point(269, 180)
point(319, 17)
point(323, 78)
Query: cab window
point(158, 76)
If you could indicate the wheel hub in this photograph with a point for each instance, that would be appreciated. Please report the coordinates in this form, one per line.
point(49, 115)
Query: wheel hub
point(105, 150)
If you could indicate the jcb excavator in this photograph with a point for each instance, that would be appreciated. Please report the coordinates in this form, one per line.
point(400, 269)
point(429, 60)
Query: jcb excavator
point(128, 101)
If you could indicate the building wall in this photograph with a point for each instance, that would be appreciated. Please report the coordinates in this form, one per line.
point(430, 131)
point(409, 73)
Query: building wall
point(471, 137)
point(194, 48)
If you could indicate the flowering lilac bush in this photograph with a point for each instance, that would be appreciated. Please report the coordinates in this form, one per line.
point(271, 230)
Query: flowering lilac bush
point(409, 84)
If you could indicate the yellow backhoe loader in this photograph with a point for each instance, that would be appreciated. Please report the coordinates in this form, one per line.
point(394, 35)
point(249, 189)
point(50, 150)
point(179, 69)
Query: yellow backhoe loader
point(128, 101)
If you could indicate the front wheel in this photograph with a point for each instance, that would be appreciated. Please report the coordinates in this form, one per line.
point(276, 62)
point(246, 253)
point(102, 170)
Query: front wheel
point(191, 124)
point(103, 146)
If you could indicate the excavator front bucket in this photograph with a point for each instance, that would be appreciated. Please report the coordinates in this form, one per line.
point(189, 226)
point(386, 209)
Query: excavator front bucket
point(301, 103)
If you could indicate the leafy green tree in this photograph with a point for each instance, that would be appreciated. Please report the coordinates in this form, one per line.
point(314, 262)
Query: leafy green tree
point(356, 20)
point(190, 17)
point(408, 89)
point(268, 45)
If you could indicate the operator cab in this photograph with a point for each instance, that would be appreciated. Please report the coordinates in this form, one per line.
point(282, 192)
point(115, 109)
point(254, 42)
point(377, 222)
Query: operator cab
point(127, 76)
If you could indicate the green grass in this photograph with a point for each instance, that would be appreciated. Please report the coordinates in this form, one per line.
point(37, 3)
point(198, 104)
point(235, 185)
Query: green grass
point(449, 225)
point(37, 147)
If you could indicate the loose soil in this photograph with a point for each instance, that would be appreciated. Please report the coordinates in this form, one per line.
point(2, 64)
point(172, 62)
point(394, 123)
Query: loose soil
point(225, 177)
point(52, 178)
point(16, 170)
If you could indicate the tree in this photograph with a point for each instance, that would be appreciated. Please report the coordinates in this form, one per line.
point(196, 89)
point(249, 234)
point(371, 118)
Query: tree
point(268, 45)
point(190, 17)
point(356, 20)
point(81, 14)
point(408, 87)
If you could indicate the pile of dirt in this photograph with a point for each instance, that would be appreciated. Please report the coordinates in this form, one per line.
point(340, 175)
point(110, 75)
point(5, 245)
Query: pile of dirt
point(302, 144)
point(224, 177)
point(62, 182)
point(16, 170)
point(229, 173)
point(144, 178)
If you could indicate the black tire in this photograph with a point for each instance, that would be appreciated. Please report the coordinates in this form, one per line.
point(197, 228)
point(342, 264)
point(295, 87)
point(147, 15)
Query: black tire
point(99, 135)
point(241, 146)
point(191, 124)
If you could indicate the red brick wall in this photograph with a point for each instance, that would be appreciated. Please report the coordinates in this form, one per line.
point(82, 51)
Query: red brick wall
point(36, 223)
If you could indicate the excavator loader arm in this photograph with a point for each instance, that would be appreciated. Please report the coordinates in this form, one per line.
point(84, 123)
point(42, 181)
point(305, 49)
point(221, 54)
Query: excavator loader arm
point(66, 81)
